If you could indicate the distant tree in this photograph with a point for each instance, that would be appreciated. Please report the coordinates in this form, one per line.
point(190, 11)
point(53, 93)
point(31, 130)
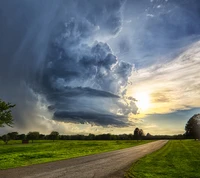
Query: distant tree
point(136, 133)
point(130, 137)
point(33, 136)
point(148, 135)
point(113, 137)
point(54, 135)
point(42, 136)
point(5, 114)
point(21, 137)
point(192, 127)
point(91, 136)
point(6, 138)
point(141, 133)
point(13, 135)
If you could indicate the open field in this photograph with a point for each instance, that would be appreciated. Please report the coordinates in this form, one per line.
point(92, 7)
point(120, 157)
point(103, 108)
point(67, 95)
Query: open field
point(112, 164)
point(16, 154)
point(180, 158)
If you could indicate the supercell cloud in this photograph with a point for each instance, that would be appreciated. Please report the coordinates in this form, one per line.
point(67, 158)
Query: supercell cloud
point(56, 54)
point(78, 70)
point(70, 61)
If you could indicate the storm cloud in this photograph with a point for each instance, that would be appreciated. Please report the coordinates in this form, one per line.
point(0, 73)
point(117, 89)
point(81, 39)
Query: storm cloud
point(93, 118)
point(58, 57)
point(70, 61)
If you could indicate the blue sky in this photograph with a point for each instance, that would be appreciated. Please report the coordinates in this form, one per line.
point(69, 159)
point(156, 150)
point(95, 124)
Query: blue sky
point(88, 66)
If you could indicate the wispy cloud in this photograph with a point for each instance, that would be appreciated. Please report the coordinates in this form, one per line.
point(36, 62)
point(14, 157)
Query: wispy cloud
point(172, 86)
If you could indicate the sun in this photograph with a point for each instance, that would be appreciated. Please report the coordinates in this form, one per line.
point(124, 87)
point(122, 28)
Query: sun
point(143, 101)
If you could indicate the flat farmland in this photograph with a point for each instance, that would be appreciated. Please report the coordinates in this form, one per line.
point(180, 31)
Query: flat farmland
point(112, 164)
point(178, 158)
point(16, 154)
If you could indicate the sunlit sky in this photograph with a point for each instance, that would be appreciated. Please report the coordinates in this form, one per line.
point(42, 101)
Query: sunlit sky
point(168, 94)
point(83, 66)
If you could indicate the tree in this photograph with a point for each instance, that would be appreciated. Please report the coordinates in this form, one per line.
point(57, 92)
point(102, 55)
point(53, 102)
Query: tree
point(91, 136)
point(192, 127)
point(54, 135)
point(13, 135)
point(41, 137)
point(141, 133)
point(148, 135)
point(21, 137)
point(33, 136)
point(6, 138)
point(136, 133)
point(5, 114)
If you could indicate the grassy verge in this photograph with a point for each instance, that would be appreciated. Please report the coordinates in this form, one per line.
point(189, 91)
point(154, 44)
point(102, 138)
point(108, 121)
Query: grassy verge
point(15, 154)
point(175, 159)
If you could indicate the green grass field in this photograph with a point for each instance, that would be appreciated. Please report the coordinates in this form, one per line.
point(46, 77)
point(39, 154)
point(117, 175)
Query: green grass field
point(177, 159)
point(16, 154)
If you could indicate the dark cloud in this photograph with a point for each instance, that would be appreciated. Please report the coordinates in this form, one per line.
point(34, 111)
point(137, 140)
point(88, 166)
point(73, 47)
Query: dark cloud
point(77, 72)
point(80, 91)
point(56, 53)
point(105, 14)
point(92, 118)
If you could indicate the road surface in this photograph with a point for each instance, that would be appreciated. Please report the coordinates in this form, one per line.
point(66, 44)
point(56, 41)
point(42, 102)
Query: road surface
point(109, 165)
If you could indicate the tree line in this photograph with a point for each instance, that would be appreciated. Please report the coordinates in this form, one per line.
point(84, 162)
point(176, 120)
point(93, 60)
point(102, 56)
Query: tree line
point(31, 136)
point(192, 131)
point(54, 135)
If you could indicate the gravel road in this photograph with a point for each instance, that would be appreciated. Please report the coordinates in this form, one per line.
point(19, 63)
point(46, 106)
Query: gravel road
point(109, 165)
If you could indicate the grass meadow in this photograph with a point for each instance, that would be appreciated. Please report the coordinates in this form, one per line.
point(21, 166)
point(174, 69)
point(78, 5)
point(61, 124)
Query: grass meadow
point(177, 159)
point(16, 154)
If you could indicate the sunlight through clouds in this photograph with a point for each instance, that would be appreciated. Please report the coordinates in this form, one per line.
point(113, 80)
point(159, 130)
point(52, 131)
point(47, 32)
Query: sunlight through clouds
point(172, 86)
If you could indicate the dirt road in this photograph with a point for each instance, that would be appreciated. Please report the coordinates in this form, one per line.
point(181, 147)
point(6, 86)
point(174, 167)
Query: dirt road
point(109, 165)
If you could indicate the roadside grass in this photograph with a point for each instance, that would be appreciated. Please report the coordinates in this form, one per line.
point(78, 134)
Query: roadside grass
point(177, 159)
point(15, 154)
